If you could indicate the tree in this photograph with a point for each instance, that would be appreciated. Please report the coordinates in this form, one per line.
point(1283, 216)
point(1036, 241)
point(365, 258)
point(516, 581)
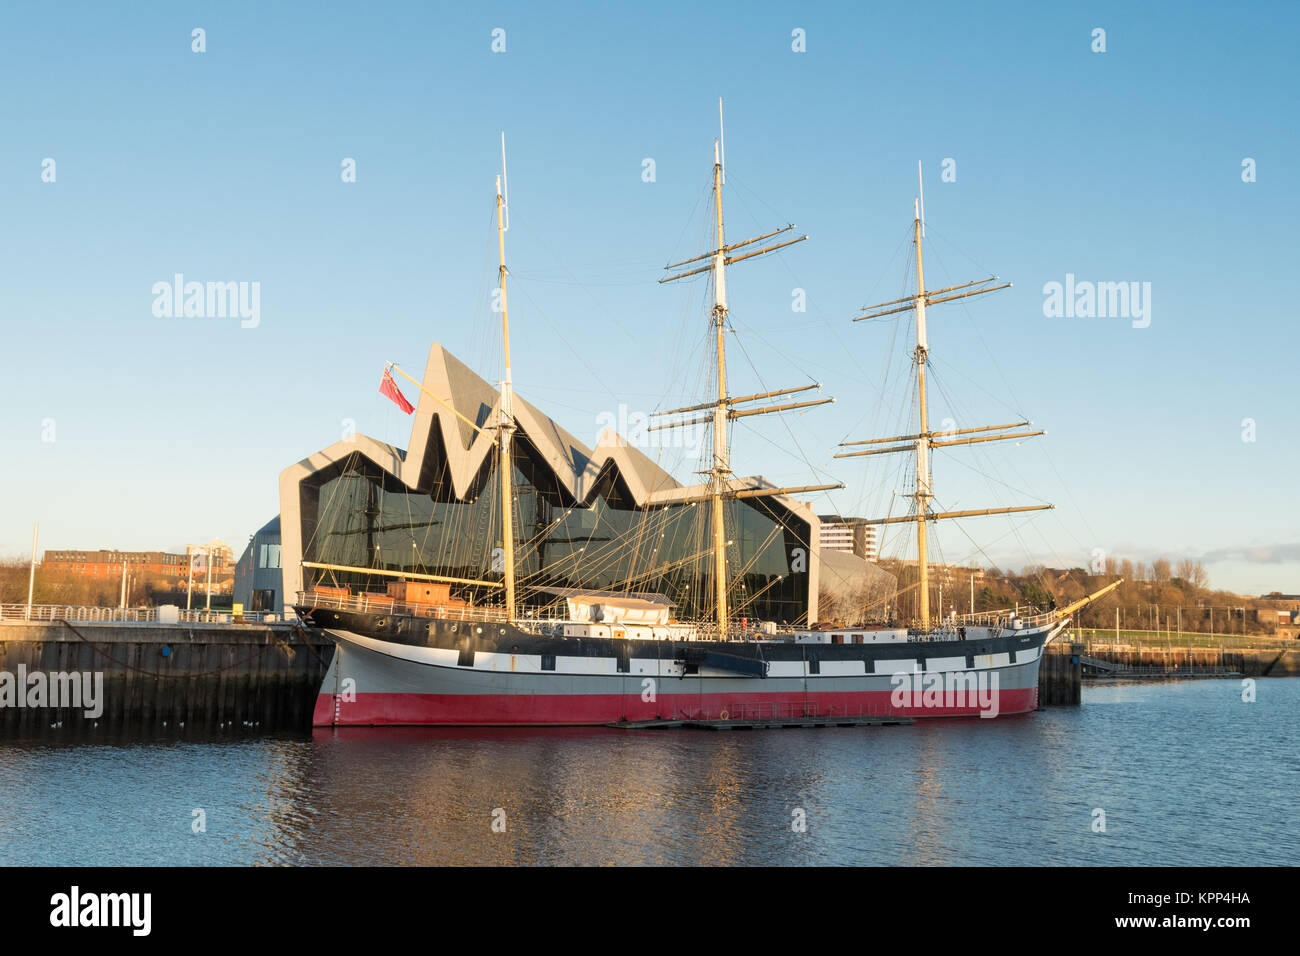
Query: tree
point(1193, 572)
point(1160, 572)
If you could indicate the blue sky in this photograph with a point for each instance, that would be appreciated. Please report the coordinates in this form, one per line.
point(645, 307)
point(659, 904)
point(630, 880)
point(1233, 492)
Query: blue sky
point(225, 166)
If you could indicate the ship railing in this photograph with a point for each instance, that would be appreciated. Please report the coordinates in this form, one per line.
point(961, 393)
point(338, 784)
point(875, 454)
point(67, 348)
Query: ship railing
point(939, 634)
point(372, 605)
point(1029, 617)
point(986, 618)
point(708, 631)
point(552, 625)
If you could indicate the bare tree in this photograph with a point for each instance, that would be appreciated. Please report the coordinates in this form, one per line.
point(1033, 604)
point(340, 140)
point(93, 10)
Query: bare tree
point(1160, 572)
point(1193, 573)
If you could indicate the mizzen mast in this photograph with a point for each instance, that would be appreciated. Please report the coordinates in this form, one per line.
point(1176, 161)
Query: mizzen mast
point(724, 408)
point(925, 439)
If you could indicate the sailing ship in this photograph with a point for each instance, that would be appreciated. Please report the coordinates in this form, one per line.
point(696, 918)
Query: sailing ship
point(415, 655)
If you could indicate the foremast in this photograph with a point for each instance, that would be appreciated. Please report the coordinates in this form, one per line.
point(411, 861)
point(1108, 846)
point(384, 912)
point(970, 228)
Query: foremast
point(506, 428)
point(721, 469)
point(925, 439)
point(725, 407)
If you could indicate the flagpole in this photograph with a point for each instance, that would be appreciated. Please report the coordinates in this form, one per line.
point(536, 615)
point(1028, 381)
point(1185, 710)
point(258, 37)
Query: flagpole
point(208, 606)
point(31, 578)
point(396, 368)
point(189, 590)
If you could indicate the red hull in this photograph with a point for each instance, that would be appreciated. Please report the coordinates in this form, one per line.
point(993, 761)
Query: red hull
point(587, 709)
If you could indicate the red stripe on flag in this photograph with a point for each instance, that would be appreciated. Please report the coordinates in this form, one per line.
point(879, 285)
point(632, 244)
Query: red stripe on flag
point(389, 387)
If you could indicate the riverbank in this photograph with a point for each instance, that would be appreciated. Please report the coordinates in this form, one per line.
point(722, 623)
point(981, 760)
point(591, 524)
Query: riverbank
point(1154, 653)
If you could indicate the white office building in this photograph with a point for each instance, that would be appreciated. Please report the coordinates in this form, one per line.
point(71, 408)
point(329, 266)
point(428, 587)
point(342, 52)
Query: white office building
point(850, 536)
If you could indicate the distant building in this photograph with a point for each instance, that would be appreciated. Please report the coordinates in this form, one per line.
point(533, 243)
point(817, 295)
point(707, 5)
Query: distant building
point(259, 580)
point(170, 568)
point(849, 535)
point(108, 563)
point(223, 555)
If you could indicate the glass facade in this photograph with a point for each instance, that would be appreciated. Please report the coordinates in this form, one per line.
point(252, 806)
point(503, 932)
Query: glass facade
point(354, 514)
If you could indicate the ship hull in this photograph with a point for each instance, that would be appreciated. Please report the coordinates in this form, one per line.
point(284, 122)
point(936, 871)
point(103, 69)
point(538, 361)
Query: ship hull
point(377, 682)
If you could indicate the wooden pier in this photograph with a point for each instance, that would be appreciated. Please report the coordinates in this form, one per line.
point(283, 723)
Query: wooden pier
point(165, 678)
point(1060, 675)
point(1180, 661)
point(1097, 667)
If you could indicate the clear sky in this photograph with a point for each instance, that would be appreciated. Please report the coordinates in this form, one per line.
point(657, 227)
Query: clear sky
point(121, 428)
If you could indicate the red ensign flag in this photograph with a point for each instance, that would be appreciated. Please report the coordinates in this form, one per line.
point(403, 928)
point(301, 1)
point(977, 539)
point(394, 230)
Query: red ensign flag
point(389, 388)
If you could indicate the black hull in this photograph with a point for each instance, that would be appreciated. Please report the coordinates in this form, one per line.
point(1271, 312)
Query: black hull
point(740, 656)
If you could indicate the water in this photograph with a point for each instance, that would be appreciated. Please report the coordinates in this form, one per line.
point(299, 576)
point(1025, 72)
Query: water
point(1186, 773)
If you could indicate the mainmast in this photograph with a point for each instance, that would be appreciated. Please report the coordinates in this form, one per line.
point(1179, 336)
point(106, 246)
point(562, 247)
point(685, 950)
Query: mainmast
point(724, 408)
point(925, 439)
point(507, 426)
point(721, 469)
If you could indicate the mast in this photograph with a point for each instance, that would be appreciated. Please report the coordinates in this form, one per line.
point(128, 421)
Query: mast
point(507, 426)
point(925, 439)
point(721, 466)
point(922, 496)
point(724, 407)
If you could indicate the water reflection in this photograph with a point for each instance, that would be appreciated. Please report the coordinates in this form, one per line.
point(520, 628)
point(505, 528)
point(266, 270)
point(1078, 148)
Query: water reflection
point(1184, 772)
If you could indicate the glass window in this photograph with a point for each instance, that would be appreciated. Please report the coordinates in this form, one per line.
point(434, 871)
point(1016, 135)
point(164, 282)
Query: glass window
point(356, 515)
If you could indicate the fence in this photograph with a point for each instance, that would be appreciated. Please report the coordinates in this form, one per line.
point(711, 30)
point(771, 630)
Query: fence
point(126, 615)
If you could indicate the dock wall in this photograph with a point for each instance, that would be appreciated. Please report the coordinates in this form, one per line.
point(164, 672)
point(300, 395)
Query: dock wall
point(173, 677)
point(1060, 675)
point(1173, 660)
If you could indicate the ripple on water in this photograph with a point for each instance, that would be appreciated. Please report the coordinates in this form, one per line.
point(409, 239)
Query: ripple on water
point(1185, 773)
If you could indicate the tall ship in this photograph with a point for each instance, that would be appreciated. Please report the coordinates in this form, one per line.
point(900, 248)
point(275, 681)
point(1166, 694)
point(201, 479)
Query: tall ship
point(502, 574)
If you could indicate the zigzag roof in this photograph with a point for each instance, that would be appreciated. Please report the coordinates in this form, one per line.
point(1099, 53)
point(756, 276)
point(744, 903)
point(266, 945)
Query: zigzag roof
point(439, 438)
point(464, 450)
point(576, 466)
